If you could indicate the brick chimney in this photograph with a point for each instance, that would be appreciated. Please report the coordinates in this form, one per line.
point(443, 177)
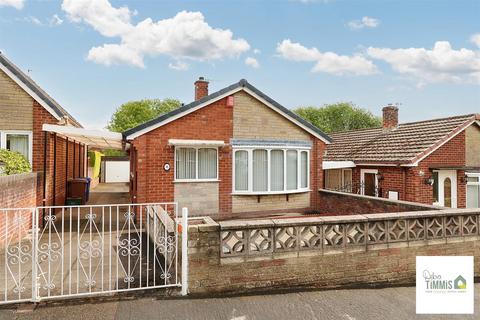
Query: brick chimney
point(390, 117)
point(201, 88)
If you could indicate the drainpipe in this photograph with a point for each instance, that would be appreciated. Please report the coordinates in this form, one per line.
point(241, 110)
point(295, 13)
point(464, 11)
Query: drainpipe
point(404, 191)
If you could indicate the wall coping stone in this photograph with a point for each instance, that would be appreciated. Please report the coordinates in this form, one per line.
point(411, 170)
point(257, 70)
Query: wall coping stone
point(265, 223)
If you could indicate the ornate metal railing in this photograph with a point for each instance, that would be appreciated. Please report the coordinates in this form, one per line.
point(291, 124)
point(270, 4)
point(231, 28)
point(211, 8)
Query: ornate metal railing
point(343, 233)
point(55, 252)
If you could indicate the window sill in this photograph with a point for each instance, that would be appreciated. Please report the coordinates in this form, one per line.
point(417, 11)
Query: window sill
point(196, 180)
point(269, 193)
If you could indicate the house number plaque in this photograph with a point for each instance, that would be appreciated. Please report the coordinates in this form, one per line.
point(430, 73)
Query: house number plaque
point(166, 167)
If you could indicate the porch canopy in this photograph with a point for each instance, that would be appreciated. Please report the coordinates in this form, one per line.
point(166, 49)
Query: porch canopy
point(94, 139)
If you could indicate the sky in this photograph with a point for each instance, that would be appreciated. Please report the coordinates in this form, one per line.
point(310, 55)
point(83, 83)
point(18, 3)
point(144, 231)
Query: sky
point(94, 55)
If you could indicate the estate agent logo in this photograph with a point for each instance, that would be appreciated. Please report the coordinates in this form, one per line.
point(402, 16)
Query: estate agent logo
point(445, 285)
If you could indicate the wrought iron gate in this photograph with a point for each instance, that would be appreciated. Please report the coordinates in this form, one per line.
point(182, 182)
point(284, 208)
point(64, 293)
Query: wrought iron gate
point(55, 252)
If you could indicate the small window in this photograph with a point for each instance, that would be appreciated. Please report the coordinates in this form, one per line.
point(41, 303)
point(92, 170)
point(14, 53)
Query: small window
point(276, 170)
point(447, 192)
point(260, 170)
point(304, 169)
point(196, 163)
point(435, 186)
point(292, 171)
point(17, 142)
point(241, 170)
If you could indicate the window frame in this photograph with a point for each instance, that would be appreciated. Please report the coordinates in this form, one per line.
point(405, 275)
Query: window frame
point(196, 179)
point(473, 175)
point(3, 141)
point(249, 150)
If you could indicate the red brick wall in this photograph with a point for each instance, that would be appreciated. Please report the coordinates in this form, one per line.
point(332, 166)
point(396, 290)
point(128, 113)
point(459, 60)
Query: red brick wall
point(451, 154)
point(333, 203)
point(214, 122)
point(154, 184)
point(40, 117)
point(16, 191)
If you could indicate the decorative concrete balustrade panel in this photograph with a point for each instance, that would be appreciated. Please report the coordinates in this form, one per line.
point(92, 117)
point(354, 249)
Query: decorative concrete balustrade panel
point(343, 233)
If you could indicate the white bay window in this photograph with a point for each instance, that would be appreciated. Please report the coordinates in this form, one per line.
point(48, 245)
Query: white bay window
point(271, 170)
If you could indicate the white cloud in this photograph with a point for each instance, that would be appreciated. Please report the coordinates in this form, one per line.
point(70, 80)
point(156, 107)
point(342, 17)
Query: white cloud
point(17, 4)
point(34, 20)
point(55, 20)
point(440, 64)
point(178, 65)
point(186, 36)
point(256, 51)
point(252, 62)
point(365, 22)
point(328, 62)
point(475, 39)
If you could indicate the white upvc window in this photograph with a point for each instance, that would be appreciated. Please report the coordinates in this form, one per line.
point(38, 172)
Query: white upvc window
point(473, 190)
point(19, 141)
point(196, 164)
point(271, 170)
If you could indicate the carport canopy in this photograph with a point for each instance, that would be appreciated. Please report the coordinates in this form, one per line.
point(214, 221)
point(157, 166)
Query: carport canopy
point(97, 139)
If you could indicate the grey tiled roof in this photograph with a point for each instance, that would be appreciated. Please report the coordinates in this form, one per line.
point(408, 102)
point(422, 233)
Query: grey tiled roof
point(32, 85)
point(403, 144)
point(241, 83)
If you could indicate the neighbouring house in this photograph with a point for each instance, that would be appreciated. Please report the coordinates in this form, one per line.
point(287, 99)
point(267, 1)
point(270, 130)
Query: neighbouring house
point(24, 109)
point(432, 162)
point(230, 152)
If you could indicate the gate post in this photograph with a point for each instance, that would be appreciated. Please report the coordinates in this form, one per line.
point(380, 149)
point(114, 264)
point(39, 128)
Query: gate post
point(184, 251)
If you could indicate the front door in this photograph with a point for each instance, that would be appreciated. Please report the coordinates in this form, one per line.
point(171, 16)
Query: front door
point(447, 188)
point(369, 182)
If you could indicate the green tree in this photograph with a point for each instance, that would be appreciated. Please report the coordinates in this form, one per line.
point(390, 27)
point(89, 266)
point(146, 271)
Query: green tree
point(338, 117)
point(134, 113)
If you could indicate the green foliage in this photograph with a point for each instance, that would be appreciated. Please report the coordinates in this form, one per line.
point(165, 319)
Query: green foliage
point(13, 163)
point(134, 113)
point(95, 159)
point(114, 153)
point(342, 116)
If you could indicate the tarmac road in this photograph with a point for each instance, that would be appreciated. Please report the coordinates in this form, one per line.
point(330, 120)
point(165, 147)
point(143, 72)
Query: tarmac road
point(353, 304)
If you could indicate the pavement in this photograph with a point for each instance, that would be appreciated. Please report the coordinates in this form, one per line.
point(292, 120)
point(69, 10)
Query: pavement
point(353, 304)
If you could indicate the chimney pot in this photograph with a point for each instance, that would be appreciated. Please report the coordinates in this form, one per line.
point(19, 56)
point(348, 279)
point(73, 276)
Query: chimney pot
point(201, 88)
point(390, 117)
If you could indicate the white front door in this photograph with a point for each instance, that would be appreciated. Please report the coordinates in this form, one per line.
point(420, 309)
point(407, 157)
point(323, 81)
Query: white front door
point(447, 188)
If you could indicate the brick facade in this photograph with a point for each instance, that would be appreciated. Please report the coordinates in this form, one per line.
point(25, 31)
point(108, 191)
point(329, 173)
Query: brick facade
point(248, 118)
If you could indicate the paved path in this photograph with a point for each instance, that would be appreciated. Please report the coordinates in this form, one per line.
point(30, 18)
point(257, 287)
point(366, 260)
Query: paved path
point(371, 304)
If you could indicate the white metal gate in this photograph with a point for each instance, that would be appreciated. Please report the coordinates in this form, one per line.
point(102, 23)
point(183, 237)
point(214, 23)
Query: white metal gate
point(55, 252)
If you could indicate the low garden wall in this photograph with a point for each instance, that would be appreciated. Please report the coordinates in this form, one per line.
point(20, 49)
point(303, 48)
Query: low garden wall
point(314, 252)
point(341, 203)
point(16, 191)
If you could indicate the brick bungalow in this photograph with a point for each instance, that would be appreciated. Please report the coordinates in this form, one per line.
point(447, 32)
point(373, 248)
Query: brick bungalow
point(24, 109)
point(432, 162)
point(231, 152)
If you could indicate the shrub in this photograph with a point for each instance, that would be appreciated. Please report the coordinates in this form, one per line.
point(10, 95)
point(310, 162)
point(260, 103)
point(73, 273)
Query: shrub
point(13, 163)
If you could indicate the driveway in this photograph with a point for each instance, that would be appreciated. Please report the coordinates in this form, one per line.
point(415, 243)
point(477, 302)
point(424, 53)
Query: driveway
point(388, 303)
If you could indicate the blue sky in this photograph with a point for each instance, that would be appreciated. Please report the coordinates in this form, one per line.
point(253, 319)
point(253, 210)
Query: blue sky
point(93, 55)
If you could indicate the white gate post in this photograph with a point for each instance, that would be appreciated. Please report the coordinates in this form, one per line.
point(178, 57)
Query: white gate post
point(184, 251)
